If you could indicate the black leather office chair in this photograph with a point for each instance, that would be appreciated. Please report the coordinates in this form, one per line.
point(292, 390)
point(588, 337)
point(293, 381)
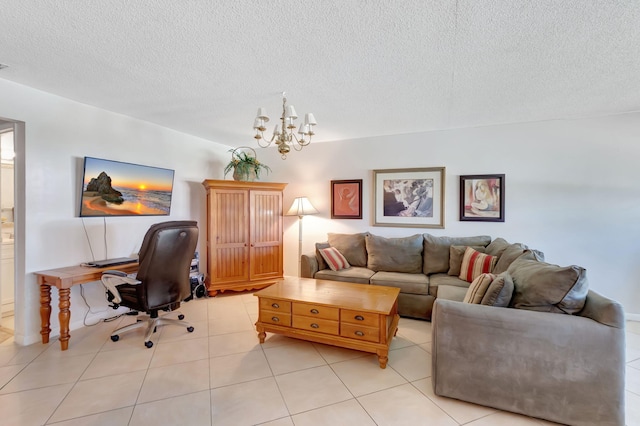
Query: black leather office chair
point(162, 280)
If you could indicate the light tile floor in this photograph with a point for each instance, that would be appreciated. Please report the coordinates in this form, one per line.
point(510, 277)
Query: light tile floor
point(221, 375)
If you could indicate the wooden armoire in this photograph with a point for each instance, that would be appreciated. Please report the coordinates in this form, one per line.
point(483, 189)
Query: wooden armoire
point(244, 235)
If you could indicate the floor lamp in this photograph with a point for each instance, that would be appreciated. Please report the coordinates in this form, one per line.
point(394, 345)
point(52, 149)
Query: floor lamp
point(301, 207)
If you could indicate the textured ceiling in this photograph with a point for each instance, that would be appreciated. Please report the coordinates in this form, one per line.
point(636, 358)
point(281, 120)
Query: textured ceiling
point(364, 68)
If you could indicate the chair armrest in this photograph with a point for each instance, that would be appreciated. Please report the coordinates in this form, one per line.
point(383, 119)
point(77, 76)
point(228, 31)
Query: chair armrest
point(563, 368)
point(111, 279)
point(308, 265)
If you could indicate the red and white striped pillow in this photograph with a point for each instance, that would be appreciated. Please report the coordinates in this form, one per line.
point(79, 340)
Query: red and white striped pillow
point(475, 264)
point(334, 259)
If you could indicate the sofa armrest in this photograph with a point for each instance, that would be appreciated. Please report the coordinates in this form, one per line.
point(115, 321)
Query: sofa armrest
point(564, 368)
point(308, 265)
point(603, 310)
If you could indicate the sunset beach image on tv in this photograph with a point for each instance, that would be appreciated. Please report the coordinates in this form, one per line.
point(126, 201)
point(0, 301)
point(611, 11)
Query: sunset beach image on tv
point(114, 188)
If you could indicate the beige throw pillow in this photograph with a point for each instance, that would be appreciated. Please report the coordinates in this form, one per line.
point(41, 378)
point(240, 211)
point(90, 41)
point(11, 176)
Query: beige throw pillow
point(334, 259)
point(478, 288)
point(455, 258)
point(474, 264)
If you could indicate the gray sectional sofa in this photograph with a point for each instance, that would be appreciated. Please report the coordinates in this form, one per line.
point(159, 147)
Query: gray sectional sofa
point(420, 265)
point(536, 342)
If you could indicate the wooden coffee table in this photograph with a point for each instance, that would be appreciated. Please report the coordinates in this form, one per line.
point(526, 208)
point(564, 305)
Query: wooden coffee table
point(354, 316)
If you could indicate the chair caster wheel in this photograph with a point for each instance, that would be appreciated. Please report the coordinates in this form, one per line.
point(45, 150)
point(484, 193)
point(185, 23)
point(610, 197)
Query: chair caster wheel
point(180, 317)
point(148, 344)
point(115, 338)
point(190, 329)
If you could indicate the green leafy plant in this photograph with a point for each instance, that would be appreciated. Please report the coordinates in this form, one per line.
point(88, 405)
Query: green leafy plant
point(244, 164)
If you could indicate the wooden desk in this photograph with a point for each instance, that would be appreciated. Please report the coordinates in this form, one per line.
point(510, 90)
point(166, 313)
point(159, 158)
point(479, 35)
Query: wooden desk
point(63, 279)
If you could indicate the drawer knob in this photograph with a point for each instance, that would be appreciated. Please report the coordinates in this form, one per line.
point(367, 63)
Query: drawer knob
point(359, 317)
point(275, 305)
point(275, 319)
point(359, 333)
point(314, 325)
point(314, 311)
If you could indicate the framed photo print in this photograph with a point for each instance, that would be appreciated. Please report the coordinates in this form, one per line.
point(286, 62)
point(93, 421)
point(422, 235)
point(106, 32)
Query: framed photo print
point(482, 198)
point(412, 198)
point(346, 199)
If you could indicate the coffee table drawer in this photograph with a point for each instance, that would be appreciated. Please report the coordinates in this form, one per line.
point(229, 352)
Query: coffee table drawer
point(316, 324)
point(275, 305)
point(316, 311)
point(353, 331)
point(278, 318)
point(360, 318)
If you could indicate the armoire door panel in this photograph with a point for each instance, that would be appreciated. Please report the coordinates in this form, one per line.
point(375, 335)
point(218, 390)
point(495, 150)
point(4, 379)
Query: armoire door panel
point(231, 264)
point(266, 262)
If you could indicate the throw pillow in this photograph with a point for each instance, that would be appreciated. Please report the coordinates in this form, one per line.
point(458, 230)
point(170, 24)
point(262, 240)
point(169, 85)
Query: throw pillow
point(321, 263)
point(475, 263)
point(352, 246)
point(436, 250)
point(478, 288)
point(394, 254)
point(499, 292)
point(540, 286)
point(455, 258)
point(334, 259)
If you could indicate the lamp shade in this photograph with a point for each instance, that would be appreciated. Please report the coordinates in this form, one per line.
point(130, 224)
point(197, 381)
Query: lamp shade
point(262, 114)
point(310, 119)
point(291, 112)
point(301, 207)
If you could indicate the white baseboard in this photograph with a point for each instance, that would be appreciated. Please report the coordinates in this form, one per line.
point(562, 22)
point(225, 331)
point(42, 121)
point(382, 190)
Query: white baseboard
point(633, 317)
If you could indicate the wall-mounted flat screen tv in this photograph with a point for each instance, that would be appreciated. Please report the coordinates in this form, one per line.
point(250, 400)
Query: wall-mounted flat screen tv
point(114, 188)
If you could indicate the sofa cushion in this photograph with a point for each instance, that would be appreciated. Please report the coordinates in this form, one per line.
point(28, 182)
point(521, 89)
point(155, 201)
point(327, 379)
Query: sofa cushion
point(478, 288)
point(394, 254)
point(352, 247)
point(451, 292)
point(355, 274)
point(540, 286)
point(334, 258)
point(475, 263)
point(437, 280)
point(497, 247)
point(436, 250)
point(407, 283)
point(511, 253)
point(499, 292)
point(456, 253)
point(514, 252)
point(321, 263)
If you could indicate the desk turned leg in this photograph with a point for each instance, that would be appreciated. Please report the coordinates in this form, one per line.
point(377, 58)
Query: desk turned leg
point(45, 312)
point(63, 317)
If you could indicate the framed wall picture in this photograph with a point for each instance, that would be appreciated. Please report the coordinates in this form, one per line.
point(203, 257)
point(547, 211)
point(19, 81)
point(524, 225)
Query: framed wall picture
point(346, 199)
point(412, 198)
point(482, 198)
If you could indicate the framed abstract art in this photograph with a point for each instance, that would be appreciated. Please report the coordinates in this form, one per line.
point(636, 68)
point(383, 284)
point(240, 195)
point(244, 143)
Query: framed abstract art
point(412, 198)
point(346, 199)
point(482, 198)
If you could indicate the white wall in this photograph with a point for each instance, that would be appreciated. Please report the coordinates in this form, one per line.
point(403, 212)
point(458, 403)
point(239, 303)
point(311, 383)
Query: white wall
point(571, 190)
point(59, 134)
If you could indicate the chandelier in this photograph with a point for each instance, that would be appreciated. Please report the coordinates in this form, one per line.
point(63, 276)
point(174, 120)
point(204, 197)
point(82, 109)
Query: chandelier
point(284, 135)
